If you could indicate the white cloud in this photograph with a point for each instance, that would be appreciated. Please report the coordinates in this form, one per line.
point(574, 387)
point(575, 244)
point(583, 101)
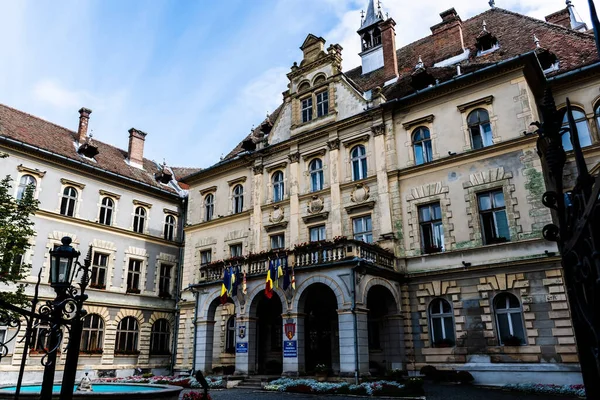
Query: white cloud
point(51, 92)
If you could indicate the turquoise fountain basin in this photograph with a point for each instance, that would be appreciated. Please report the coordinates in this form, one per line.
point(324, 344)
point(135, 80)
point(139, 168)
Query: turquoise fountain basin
point(101, 391)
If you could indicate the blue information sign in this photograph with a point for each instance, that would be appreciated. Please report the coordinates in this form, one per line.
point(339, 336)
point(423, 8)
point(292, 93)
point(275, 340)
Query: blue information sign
point(290, 348)
point(241, 347)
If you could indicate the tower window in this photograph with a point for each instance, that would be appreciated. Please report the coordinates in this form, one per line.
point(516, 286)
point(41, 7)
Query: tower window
point(307, 109)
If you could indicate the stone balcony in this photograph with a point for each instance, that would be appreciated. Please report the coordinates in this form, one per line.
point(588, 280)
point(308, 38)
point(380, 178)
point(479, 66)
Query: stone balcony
point(312, 254)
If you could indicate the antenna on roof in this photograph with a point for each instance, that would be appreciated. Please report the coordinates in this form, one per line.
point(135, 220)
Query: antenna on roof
point(536, 41)
point(492, 3)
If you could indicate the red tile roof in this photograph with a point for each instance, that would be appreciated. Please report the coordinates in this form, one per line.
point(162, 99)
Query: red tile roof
point(45, 135)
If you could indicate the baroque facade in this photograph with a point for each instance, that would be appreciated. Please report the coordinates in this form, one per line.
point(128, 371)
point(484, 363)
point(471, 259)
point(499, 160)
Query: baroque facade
point(401, 199)
point(130, 211)
point(405, 195)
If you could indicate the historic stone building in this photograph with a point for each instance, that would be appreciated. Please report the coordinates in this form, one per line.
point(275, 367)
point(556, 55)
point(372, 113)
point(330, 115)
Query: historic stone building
point(130, 210)
point(405, 195)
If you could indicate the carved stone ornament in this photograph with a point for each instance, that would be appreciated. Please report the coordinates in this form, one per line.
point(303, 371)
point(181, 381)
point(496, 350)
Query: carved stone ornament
point(294, 157)
point(360, 194)
point(378, 130)
point(334, 144)
point(315, 206)
point(258, 169)
point(276, 215)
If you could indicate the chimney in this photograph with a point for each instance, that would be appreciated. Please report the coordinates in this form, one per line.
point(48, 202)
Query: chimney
point(561, 18)
point(84, 118)
point(450, 27)
point(388, 40)
point(135, 154)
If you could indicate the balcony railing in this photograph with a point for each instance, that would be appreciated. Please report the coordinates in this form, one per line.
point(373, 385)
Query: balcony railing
point(305, 255)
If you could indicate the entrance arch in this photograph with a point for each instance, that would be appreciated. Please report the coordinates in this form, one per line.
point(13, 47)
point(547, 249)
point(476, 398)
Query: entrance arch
point(267, 341)
point(318, 304)
point(384, 330)
point(212, 333)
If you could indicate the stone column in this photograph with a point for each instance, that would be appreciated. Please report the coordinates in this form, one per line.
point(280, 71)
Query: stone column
point(245, 362)
point(334, 179)
point(383, 190)
point(293, 181)
point(347, 340)
point(257, 200)
point(205, 331)
point(294, 366)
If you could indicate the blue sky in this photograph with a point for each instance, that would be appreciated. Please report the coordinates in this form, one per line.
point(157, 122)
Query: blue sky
point(195, 75)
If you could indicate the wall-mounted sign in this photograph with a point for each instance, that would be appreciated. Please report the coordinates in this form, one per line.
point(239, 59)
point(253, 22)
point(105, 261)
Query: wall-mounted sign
point(290, 328)
point(242, 331)
point(241, 347)
point(290, 348)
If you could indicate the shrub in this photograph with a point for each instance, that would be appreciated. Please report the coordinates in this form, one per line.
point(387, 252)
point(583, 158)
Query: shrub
point(396, 375)
point(147, 375)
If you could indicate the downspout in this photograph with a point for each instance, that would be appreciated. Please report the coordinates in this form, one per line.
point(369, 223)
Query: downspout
point(355, 322)
point(195, 329)
point(181, 235)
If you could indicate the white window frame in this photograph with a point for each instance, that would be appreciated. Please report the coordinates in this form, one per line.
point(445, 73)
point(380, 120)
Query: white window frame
point(322, 104)
point(133, 273)
point(440, 314)
point(209, 207)
point(69, 198)
point(365, 233)
point(509, 311)
point(306, 109)
point(280, 238)
point(107, 208)
point(363, 170)
point(169, 232)
point(23, 185)
point(137, 218)
point(238, 199)
point(135, 332)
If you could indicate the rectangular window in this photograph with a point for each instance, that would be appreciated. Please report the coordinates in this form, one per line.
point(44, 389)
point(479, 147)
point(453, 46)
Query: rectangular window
point(307, 109)
point(278, 241)
point(235, 250)
point(99, 269)
point(133, 276)
point(322, 103)
point(492, 212)
point(205, 257)
point(164, 283)
point(363, 229)
point(317, 233)
point(432, 230)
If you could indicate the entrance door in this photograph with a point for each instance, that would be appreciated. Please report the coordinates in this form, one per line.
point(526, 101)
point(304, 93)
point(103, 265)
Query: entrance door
point(269, 336)
point(321, 327)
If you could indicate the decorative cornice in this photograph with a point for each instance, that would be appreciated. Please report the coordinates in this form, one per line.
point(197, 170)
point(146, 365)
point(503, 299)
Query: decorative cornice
point(109, 194)
point(218, 221)
point(378, 130)
point(356, 139)
point(235, 181)
point(419, 121)
point(474, 103)
point(355, 208)
point(277, 226)
point(32, 171)
point(294, 157)
point(334, 144)
point(142, 203)
point(315, 217)
point(72, 183)
point(172, 212)
point(273, 167)
point(208, 190)
point(312, 154)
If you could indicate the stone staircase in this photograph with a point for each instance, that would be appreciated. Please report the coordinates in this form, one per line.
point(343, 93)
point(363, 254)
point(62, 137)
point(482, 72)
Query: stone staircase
point(251, 383)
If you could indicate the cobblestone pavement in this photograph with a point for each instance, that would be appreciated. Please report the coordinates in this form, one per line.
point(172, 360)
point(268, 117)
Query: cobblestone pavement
point(432, 392)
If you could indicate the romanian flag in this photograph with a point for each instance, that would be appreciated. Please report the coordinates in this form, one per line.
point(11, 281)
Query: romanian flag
point(226, 285)
point(269, 282)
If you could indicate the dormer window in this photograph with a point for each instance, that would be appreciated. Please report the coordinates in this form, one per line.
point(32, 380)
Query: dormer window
point(307, 109)
point(548, 61)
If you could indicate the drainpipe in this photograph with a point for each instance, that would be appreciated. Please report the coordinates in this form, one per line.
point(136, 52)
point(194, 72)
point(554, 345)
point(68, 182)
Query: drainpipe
point(178, 284)
point(196, 293)
point(355, 322)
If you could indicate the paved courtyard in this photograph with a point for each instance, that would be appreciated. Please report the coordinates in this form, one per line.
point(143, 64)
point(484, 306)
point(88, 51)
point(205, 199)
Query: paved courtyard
point(432, 392)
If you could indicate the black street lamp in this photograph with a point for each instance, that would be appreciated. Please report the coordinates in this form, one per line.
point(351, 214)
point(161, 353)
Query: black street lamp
point(61, 265)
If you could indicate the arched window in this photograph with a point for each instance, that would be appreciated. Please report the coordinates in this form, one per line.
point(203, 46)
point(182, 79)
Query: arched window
point(209, 207)
point(316, 175)
point(106, 211)
point(359, 162)
point(480, 128)
point(442, 323)
point(277, 186)
point(127, 336)
point(230, 335)
point(24, 183)
point(160, 337)
point(69, 199)
point(509, 320)
point(92, 334)
point(583, 130)
point(238, 199)
point(139, 220)
point(422, 146)
point(169, 227)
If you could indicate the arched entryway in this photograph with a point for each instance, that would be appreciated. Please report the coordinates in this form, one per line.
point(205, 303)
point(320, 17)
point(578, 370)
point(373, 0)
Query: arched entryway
point(215, 337)
point(268, 338)
point(384, 331)
point(321, 330)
